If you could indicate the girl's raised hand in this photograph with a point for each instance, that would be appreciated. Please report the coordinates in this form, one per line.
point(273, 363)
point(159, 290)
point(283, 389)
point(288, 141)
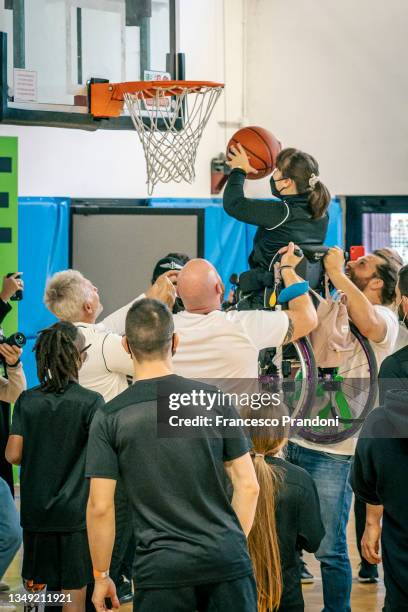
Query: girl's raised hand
point(238, 158)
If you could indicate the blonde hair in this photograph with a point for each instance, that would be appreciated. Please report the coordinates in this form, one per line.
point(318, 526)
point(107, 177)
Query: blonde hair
point(263, 543)
point(65, 295)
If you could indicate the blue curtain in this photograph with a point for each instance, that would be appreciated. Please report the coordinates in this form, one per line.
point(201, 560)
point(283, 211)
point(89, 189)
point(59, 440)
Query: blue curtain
point(43, 250)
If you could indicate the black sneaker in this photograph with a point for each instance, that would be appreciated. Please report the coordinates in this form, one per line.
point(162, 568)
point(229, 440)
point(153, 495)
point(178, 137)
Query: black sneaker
point(305, 576)
point(368, 573)
point(124, 591)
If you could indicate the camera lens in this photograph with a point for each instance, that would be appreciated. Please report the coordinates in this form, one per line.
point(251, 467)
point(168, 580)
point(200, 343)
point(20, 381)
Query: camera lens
point(19, 339)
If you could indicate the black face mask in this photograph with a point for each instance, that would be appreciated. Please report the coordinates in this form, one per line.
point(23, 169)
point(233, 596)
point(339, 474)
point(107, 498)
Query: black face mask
point(274, 189)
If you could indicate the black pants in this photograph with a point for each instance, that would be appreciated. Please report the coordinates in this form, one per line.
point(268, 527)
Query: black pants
point(233, 596)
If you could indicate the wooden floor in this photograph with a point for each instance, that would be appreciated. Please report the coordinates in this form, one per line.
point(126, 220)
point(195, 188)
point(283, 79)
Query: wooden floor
point(365, 598)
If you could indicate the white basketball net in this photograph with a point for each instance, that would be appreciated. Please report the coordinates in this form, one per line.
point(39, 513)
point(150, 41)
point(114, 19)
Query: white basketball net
point(170, 128)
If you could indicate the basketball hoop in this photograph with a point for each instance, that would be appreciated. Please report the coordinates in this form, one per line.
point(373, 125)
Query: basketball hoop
point(169, 117)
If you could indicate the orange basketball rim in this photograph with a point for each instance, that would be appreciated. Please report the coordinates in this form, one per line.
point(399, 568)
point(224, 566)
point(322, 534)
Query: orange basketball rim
point(169, 117)
point(107, 99)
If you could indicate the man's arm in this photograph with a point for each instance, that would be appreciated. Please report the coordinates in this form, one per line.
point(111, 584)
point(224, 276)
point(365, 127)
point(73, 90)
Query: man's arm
point(302, 313)
point(268, 328)
point(311, 528)
point(12, 387)
point(241, 472)
point(115, 357)
point(103, 470)
point(100, 522)
point(162, 290)
point(14, 449)
point(370, 542)
point(368, 321)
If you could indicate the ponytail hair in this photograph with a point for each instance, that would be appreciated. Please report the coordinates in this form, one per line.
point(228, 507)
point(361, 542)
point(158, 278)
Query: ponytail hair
point(263, 543)
point(303, 169)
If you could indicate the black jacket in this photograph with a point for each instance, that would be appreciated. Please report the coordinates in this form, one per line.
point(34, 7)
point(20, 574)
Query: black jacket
point(299, 526)
point(279, 222)
point(380, 476)
point(4, 310)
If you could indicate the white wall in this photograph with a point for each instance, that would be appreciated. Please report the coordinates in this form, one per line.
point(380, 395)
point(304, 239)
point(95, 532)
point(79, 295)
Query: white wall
point(61, 162)
point(331, 77)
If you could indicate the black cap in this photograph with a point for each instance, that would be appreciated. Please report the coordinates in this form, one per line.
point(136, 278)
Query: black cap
point(165, 265)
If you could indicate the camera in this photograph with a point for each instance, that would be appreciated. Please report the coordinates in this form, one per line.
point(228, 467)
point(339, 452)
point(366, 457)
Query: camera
point(18, 296)
point(18, 339)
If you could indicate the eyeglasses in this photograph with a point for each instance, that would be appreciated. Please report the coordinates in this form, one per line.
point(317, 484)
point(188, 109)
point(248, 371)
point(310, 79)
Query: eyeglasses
point(83, 352)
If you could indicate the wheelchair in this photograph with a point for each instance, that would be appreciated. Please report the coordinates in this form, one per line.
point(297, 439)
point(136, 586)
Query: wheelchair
point(309, 391)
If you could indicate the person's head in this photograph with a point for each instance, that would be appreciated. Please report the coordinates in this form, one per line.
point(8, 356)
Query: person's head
point(297, 172)
point(263, 543)
point(149, 332)
point(182, 257)
point(376, 275)
point(200, 287)
point(72, 297)
point(172, 261)
point(402, 294)
point(59, 351)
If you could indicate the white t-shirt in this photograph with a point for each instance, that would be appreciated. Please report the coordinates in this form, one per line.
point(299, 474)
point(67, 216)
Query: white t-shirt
point(226, 344)
point(402, 339)
point(108, 364)
point(356, 367)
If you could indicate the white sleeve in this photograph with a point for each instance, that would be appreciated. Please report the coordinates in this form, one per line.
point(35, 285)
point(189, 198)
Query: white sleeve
point(115, 357)
point(115, 322)
point(265, 328)
point(392, 327)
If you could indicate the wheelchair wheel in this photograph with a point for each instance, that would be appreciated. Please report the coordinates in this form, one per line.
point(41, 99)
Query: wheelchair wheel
point(291, 371)
point(347, 394)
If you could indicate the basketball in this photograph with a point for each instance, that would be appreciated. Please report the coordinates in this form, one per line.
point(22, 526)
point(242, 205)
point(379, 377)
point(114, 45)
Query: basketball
point(261, 146)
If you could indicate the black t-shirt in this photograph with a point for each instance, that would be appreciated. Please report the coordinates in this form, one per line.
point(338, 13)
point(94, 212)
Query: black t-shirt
point(279, 222)
point(185, 529)
point(55, 429)
point(299, 526)
point(379, 476)
point(393, 373)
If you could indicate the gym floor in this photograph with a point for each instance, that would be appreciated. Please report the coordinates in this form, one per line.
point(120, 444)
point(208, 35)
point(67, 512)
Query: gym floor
point(364, 597)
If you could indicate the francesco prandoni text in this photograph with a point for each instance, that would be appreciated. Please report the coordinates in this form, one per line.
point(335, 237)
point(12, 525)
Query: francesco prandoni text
point(209, 400)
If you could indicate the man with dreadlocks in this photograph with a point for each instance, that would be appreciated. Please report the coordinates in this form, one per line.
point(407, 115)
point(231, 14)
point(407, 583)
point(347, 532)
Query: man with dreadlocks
point(49, 437)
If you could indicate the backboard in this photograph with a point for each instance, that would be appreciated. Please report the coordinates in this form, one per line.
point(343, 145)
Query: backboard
point(50, 49)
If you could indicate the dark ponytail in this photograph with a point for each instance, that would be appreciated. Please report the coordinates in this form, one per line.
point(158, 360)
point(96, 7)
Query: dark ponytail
point(319, 200)
point(302, 168)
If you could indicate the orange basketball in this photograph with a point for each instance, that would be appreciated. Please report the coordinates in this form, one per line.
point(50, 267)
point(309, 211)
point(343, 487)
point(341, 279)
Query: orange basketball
point(262, 148)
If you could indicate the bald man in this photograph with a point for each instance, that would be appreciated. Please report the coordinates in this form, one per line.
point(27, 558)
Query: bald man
point(217, 344)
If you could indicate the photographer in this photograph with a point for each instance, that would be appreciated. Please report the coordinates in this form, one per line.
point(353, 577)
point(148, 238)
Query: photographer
point(369, 284)
point(10, 389)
